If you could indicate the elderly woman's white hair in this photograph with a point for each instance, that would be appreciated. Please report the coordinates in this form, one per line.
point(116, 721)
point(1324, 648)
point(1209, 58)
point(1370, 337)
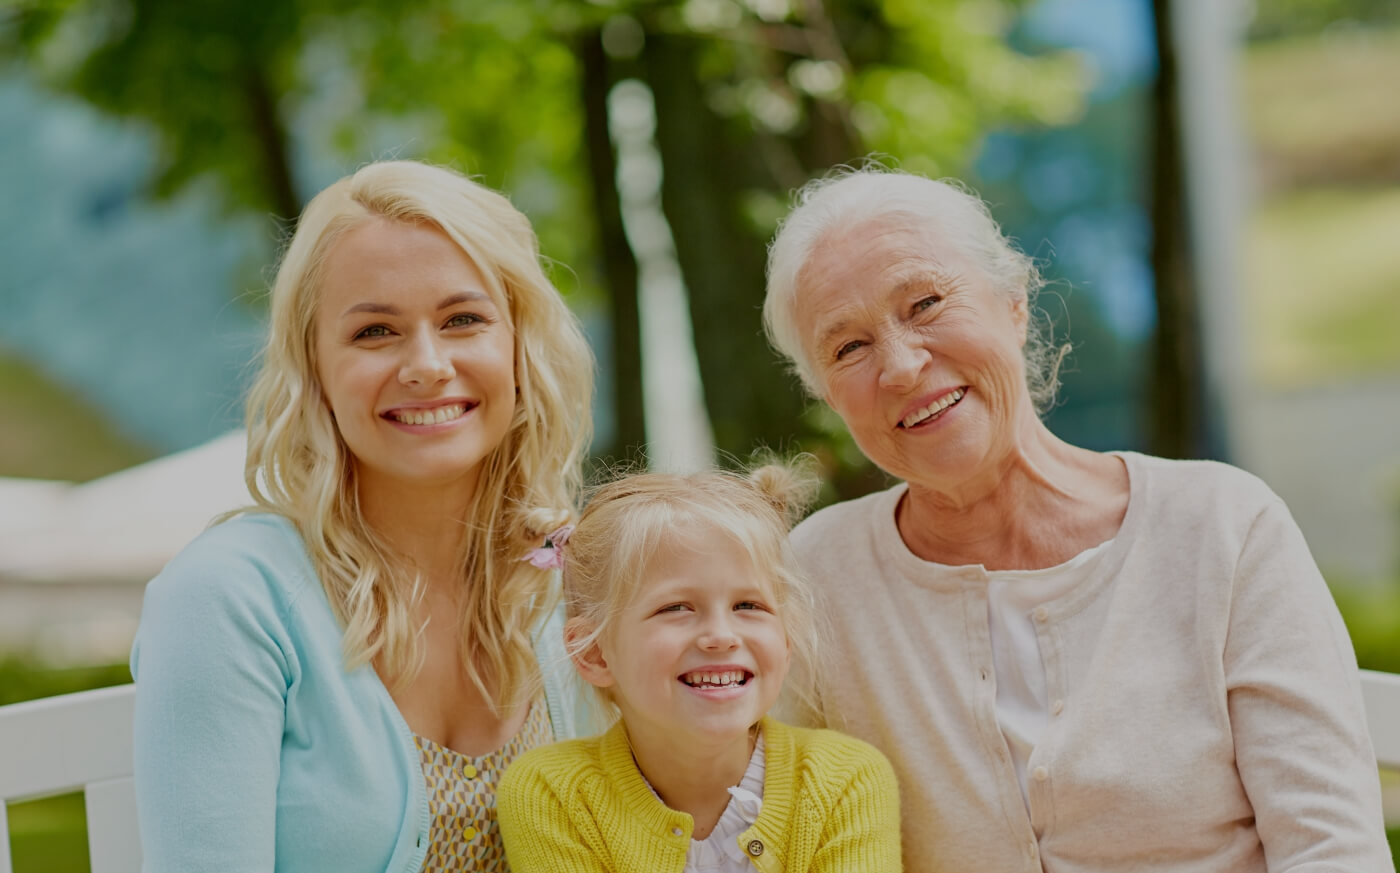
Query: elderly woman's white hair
point(850, 197)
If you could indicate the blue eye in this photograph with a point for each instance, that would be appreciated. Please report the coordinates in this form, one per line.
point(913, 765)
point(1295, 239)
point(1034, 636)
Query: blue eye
point(926, 303)
point(374, 331)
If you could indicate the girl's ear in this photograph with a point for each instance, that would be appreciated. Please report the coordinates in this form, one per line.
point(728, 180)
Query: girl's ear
point(586, 654)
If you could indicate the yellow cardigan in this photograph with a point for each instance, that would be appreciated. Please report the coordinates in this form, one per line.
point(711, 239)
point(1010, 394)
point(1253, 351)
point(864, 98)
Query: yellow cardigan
point(830, 805)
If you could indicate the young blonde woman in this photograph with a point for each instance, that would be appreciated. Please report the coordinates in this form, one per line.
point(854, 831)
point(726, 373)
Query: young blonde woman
point(335, 678)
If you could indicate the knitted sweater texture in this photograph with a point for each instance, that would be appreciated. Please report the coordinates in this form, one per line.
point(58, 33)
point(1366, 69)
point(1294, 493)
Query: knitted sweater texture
point(830, 805)
point(1204, 709)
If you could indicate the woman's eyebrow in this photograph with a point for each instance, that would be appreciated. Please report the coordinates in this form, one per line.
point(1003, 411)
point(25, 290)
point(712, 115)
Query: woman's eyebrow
point(831, 331)
point(465, 297)
point(926, 278)
point(447, 303)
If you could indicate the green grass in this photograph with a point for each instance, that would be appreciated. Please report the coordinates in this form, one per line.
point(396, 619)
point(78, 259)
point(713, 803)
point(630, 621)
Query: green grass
point(1372, 616)
point(49, 835)
point(51, 434)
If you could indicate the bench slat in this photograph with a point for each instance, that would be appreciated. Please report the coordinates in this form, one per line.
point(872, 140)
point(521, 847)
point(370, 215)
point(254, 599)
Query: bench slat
point(114, 841)
point(5, 866)
point(63, 743)
point(1381, 691)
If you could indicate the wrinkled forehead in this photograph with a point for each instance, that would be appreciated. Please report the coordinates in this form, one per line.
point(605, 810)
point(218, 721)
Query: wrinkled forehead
point(865, 266)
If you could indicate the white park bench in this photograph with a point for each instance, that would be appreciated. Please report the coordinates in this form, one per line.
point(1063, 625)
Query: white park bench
point(82, 742)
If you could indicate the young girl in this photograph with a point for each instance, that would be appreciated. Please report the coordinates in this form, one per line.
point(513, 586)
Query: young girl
point(684, 612)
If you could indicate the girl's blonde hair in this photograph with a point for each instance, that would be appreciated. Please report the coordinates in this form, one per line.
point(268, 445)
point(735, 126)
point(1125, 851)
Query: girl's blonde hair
point(299, 466)
point(627, 520)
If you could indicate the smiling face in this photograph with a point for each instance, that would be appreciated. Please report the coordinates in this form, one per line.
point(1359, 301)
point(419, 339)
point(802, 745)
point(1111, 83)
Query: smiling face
point(914, 348)
point(700, 650)
point(415, 354)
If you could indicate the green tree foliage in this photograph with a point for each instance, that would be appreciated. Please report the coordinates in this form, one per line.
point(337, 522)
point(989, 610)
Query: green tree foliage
point(753, 98)
point(211, 76)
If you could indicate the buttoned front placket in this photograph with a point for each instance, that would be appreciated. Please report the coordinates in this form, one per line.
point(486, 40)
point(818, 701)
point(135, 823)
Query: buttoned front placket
point(1040, 766)
point(1020, 824)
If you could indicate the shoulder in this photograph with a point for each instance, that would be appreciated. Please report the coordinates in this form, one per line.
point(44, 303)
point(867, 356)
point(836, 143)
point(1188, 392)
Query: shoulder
point(1213, 476)
point(833, 758)
point(842, 520)
point(250, 560)
point(1197, 491)
point(557, 763)
point(568, 769)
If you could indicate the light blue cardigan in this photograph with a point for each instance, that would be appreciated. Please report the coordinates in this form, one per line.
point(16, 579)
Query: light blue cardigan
point(255, 749)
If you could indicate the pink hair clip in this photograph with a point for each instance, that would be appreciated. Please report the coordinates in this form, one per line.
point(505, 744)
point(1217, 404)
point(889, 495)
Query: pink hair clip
point(550, 556)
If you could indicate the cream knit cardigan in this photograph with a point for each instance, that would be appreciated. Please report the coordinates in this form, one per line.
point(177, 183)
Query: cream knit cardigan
point(1205, 712)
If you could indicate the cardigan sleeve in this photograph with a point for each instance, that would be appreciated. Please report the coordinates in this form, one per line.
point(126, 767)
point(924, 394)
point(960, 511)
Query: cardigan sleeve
point(862, 830)
point(211, 677)
point(540, 831)
point(1304, 756)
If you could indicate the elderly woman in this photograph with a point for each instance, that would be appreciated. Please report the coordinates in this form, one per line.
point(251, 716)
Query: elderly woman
point(1076, 661)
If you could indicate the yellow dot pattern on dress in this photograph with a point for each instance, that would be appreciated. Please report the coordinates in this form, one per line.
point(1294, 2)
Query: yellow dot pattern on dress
point(462, 798)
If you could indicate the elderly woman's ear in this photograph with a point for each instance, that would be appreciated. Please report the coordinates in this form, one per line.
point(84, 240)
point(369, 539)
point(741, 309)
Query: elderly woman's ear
point(1020, 311)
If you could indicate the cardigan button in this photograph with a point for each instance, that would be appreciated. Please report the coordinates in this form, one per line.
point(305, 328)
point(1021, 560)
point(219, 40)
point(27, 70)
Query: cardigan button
point(675, 832)
point(1041, 614)
point(755, 847)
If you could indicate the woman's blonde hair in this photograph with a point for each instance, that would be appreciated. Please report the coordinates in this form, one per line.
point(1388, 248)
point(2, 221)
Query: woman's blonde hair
point(627, 520)
point(299, 466)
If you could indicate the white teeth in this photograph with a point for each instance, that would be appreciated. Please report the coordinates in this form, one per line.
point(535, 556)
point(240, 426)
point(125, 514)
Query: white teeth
point(726, 679)
point(933, 408)
point(431, 416)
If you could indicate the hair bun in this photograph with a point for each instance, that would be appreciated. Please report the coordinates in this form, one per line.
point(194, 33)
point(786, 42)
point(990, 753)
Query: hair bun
point(540, 520)
point(790, 485)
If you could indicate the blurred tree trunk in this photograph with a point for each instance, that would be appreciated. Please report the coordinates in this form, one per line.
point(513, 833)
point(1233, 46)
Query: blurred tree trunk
point(1177, 426)
point(271, 136)
point(750, 399)
point(619, 264)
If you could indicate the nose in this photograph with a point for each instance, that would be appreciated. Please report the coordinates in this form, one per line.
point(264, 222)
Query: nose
point(903, 358)
point(718, 634)
point(425, 362)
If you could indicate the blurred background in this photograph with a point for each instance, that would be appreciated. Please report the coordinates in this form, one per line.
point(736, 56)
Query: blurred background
point(1212, 186)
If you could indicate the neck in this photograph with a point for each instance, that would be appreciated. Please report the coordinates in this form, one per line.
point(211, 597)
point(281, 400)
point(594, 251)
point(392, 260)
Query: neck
point(693, 774)
point(424, 522)
point(1038, 504)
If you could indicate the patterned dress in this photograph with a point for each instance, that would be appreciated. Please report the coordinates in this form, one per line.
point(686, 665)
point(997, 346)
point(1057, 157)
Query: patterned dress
point(462, 798)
